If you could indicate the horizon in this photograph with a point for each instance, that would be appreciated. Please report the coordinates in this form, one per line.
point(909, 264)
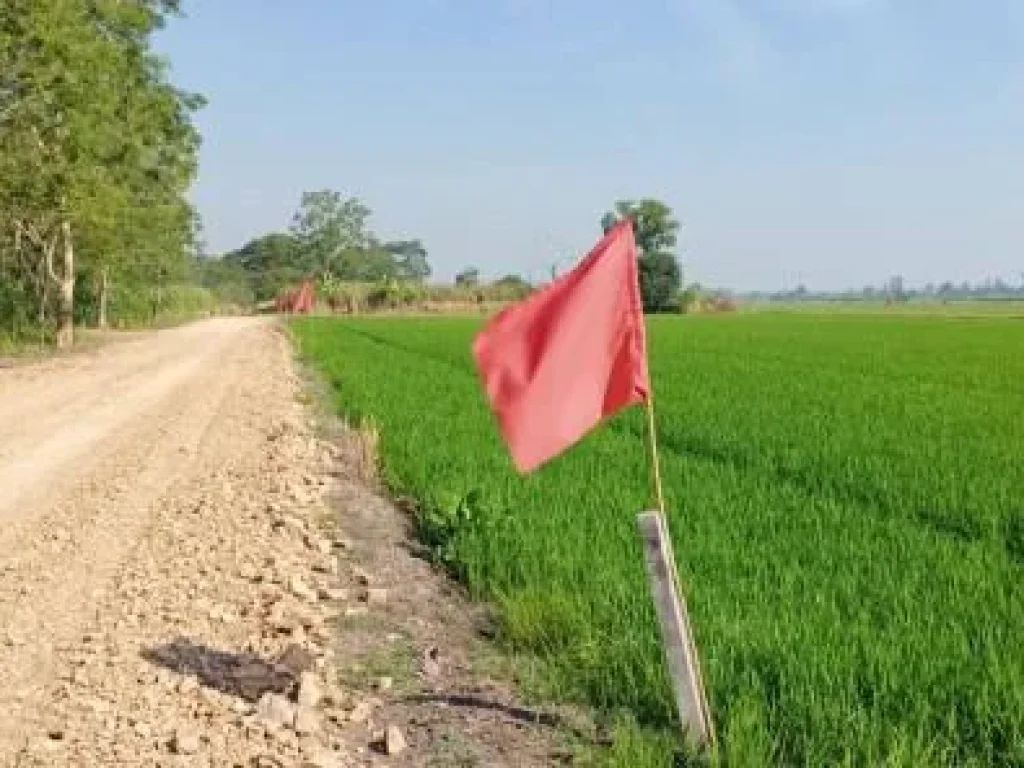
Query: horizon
point(831, 143)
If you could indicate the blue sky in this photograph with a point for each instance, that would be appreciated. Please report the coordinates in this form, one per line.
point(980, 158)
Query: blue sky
point(829, 142)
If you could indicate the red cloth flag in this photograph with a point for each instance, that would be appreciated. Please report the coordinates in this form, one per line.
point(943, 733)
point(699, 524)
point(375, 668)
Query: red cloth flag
point(573, 353)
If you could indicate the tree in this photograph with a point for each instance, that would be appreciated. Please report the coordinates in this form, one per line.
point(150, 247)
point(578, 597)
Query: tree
point(410, 259)
point(660, 279)
point(327, 225)
point(227, 280)
point(896, 288)
point(468, 278)
point(97, 149)
point(513, 286)
point(656, 234)
point(271, 262)
point(329, 238)
point(366, 265)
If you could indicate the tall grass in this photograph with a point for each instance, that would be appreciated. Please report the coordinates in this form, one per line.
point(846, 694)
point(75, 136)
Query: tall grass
point(845, 495)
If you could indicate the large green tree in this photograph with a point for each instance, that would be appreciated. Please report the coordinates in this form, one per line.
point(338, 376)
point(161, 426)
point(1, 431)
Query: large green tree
point(97, 150)
point(656, 232)
point(329, 238)
point(326, 226)
point(272, 263)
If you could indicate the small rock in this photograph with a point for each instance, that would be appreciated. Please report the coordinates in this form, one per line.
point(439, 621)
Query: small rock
point(185, 742)
point(333, 698)
point(241, 707)
point(361, 713)
point(323, 758)
point(307, 721)
point(430, 666)
point(309, 690)
point(361, 576)
point(326, 565)
point(143, 730)
point(376, 596)
point(332, 594)
point(385, 683)
point(394, 741)
point(318, 544)
point(296, 660)
point(356, 610)
point(189, 685)
point(41, 751)
point(301, 590)
point(276, 710)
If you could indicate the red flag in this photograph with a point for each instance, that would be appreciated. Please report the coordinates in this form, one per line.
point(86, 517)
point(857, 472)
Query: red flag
point(557, 363)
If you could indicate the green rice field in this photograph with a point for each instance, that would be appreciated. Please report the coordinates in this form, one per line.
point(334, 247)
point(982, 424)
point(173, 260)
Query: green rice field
point(845, 496)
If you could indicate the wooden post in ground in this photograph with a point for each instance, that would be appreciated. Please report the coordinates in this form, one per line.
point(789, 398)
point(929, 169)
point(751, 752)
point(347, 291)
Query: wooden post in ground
point(676, 637)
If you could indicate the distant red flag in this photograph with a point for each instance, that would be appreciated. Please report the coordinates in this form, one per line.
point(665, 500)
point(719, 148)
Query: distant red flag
point(569, 355)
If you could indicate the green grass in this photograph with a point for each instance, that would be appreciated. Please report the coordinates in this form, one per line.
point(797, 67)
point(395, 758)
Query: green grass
point(845, 500)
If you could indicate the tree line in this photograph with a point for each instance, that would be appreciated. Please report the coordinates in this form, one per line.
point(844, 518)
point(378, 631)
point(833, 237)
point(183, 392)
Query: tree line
point(98, 148)
point(330, 240)
point(895, 290)
point(97, 151)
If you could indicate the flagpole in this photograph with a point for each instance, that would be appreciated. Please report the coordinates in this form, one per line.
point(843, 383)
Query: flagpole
point(652, 447)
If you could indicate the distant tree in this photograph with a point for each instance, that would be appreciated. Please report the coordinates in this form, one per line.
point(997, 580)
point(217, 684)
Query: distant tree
point(225, 279)
point(469, 277)
point(366, 265)
point(513, 286)
point(660, 278)
point(410, 259)
point(656, 233)
point(272, 262)
point(897, 291)
point(513, 280)
point(328, 225)
point(690, 297)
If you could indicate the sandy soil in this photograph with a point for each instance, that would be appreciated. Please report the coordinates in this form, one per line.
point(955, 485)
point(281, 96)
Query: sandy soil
point(191, 574)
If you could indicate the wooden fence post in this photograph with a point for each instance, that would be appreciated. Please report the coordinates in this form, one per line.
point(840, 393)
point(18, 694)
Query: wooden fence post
point(676, 637)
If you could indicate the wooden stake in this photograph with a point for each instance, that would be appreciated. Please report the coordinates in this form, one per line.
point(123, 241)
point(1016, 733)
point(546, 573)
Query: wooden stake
point(676, 635)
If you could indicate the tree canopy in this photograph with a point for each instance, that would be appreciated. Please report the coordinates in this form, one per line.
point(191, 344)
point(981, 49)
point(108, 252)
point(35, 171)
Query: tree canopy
point(330, 239)
point(656, 233)
point(468, 277)
point(97, 151)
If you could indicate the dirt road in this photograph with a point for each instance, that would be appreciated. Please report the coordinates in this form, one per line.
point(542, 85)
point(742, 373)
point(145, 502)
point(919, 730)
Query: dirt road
point(174, 587)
